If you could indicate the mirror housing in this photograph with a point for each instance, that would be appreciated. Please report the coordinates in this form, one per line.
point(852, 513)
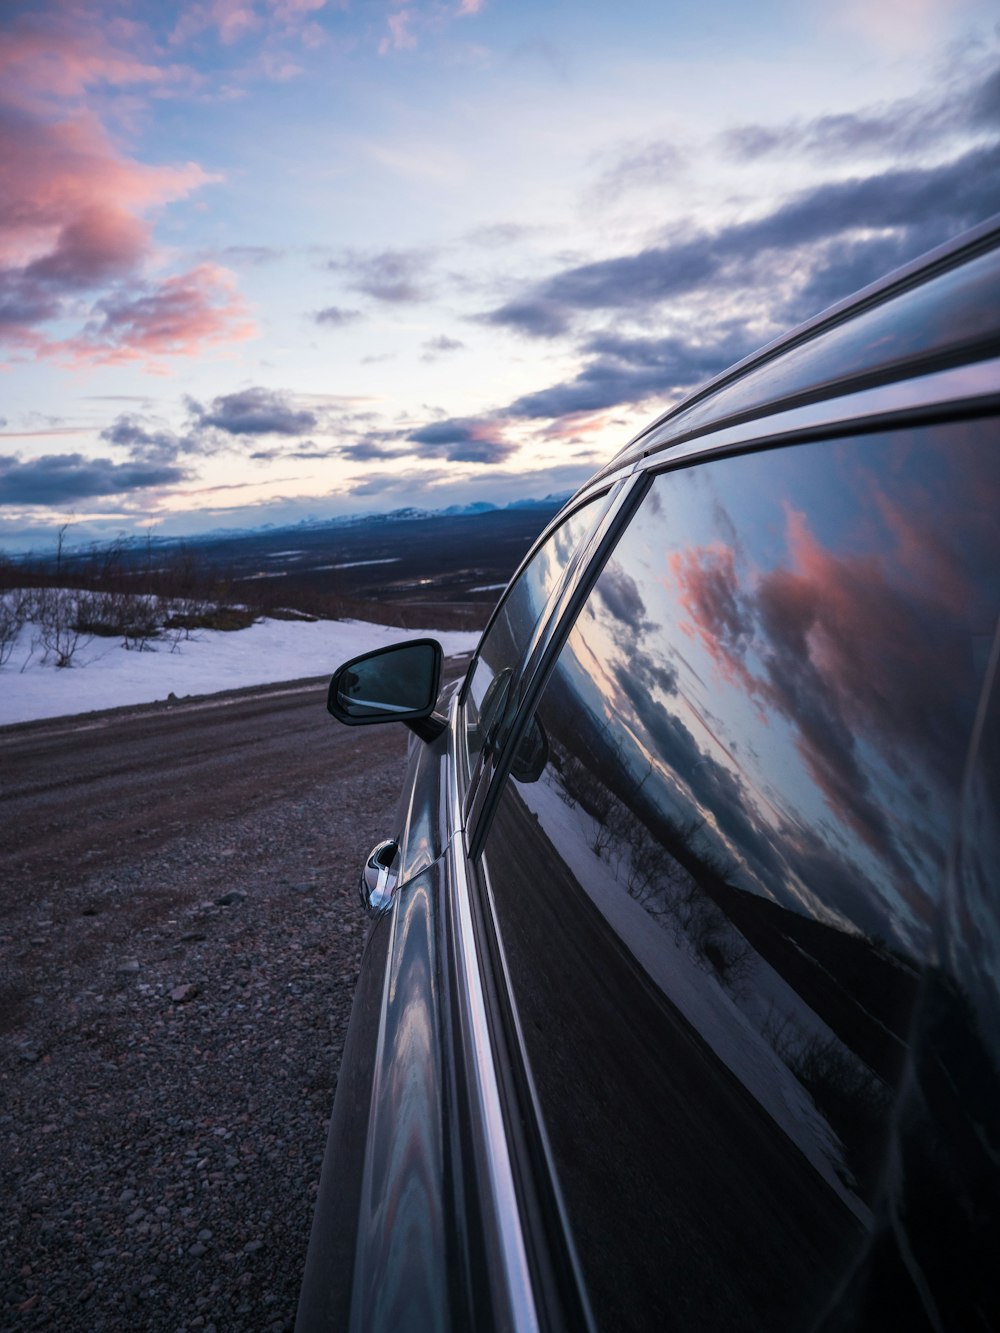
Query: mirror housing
point(395, 684)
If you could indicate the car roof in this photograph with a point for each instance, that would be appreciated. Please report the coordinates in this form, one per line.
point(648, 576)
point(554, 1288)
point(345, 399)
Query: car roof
point(941, 310)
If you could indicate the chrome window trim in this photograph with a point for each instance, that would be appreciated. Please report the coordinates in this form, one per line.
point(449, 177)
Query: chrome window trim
point(480, 1057)
point(547, 641)
point(959, 387)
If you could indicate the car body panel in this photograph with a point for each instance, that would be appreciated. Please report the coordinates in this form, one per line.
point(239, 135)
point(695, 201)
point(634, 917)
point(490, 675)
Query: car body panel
point(422, 819)
point(401, 1273)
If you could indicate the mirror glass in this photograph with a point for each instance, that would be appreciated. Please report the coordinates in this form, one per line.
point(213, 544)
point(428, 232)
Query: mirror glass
point(397, 681)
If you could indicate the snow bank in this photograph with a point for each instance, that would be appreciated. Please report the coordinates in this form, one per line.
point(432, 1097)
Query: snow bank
point(103, 674)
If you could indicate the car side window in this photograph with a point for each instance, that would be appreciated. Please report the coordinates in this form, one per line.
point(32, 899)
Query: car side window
point(721, 893)
point(508, 637)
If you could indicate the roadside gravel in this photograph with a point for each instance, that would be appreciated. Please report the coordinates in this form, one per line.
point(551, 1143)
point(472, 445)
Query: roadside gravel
point(170, 1028)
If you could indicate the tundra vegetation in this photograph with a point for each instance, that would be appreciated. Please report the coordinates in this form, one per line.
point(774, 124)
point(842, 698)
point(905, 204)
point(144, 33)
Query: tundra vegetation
point(152, 595)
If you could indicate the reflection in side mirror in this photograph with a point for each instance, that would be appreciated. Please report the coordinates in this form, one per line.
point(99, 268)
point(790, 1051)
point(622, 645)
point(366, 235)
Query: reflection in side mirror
point(532, 753)
point(395, 684)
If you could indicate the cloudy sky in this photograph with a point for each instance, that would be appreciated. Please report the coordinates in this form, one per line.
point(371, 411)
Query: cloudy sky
point(268, 259)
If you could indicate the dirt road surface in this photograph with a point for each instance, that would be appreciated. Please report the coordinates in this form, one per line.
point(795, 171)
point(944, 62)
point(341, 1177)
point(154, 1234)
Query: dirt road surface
point(179, 943)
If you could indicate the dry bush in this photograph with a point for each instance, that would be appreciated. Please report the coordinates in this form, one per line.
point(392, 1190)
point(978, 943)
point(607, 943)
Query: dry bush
point(13, 617)
point(57, 614)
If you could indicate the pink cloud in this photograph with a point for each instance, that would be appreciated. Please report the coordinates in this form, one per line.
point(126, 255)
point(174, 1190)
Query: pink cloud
point(55, 56)
point(847, 647)
point(51, 174)
point(233, 20)
point(77, 213)
point(400, 38)
point(177, 316)
point(576, 425)
point(709, 595)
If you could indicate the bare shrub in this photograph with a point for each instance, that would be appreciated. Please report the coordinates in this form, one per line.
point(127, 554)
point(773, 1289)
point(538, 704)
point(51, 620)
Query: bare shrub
point(142, 622)
point(211, 617)
point(706, 928)
point(840, 1081)
point(56, 613)
point(13, 616)
point(782, 1035)
point(133, 617)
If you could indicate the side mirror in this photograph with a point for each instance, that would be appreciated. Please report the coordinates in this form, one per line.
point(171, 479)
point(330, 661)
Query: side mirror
point(395, 684)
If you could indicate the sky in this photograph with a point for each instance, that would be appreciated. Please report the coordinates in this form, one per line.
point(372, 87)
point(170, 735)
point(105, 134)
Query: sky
point(271, 260)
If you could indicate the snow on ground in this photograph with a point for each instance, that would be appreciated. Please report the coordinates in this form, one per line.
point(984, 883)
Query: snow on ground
point(103, 674)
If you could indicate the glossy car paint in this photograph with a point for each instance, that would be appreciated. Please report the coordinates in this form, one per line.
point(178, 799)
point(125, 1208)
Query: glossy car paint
point(454, 1182)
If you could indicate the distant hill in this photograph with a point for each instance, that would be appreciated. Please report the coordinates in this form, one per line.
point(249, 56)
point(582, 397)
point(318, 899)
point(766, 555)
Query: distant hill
point(391, 567)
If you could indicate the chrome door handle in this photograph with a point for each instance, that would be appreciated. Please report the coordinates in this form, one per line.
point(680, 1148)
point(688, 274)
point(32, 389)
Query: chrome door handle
point(378, 879)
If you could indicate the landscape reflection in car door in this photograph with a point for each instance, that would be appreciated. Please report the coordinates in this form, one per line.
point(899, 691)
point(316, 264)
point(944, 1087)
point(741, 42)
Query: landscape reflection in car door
point(757, 734)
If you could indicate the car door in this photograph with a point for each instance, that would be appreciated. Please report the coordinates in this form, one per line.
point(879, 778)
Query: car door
point(741, 908)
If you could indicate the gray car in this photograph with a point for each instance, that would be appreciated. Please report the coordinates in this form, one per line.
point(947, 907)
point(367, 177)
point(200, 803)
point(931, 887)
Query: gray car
point(680, 1006)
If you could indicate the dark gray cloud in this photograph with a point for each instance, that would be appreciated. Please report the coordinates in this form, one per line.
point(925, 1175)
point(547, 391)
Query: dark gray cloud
point(920, 206)
point(537, 316)
point(435, 346)
point(463, 440)
point(984, 104)
point(619, 592)
point(628, 370)
point(24, 301)
point(906, 126)
point(306, 450)
point(254, 412)
point(455, 431)
point(62, 478)
point(150, 446)
point(838, 136)
point(368, 450)
point(397, 277)
point(479, 451)
point(335, 316)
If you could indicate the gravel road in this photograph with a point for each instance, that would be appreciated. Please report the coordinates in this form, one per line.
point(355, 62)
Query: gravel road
point(179, 943)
